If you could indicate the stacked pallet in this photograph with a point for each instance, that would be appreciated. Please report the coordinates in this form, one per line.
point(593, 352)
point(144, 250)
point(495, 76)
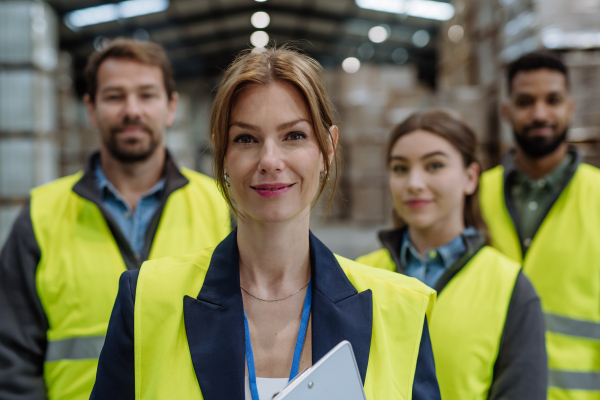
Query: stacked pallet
point(370, 103)
point(28, 98)
point(584, 80)
point(469, 70)
point(571, 28)
point(178, 138)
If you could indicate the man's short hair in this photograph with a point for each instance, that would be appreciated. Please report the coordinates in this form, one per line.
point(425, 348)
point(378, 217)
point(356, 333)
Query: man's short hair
point(121, 48)
point(534, 61)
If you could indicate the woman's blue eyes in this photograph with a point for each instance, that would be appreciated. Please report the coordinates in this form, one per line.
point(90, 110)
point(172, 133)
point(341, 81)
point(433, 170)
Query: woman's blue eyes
point(296, 136)
point(247, 139)
point(243, 139)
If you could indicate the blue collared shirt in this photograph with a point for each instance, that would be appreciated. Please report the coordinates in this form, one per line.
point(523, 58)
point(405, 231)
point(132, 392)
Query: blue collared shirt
point(436, 261)
point(132, 223)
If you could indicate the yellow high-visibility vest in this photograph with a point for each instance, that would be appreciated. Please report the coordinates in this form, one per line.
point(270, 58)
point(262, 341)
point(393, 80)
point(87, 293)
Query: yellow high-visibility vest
point(467, 323)
point(563, 264)
point(78, 274)
point(163, 364)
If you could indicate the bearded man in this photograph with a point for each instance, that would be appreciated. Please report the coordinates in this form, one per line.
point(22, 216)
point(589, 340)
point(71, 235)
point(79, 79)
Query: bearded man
point(60, 267)
point(542, 207)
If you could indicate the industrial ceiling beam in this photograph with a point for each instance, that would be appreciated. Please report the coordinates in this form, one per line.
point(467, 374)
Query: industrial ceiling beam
point(129, 26)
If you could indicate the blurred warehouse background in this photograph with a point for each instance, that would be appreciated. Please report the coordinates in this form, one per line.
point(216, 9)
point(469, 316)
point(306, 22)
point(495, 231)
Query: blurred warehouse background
point(384, 59)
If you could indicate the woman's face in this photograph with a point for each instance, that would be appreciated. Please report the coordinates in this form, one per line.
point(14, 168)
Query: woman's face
point(429, 181)
point(273, 159)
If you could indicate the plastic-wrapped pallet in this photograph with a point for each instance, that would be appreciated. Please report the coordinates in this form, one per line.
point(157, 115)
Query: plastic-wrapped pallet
point(28, 115)
point(28, 34)
point(24, 164)
point(27, 101)
point(178, 138)
point(551, 24)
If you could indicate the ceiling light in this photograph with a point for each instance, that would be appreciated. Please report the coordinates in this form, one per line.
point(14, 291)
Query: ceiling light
point(260, 1)
point(455, 33)
point(260, 19)
point(111, 12)
point(415, 8)
point(259, 39)
point(378, 34)
point(351, 65)
point(421, 38)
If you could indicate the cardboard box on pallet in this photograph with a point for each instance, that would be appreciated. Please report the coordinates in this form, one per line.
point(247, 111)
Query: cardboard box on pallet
point(370, 103)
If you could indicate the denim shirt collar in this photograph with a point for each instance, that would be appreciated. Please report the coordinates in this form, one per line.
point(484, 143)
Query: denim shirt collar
point(104, 186)
point(448, 254)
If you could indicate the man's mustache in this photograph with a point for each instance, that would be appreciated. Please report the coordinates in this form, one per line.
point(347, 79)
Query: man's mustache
point(537, 125)
point(125, 125)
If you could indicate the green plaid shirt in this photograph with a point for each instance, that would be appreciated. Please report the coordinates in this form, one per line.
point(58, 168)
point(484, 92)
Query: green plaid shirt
point(533, 197)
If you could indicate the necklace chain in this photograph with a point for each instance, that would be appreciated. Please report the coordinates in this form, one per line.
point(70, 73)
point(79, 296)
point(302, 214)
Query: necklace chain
point(283, 298)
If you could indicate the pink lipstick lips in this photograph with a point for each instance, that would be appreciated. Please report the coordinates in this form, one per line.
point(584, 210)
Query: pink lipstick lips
point(418, 203)
point(271, 190)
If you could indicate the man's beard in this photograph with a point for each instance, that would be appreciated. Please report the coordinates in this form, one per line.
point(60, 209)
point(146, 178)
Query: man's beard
point(121, 153)
point(538, 146)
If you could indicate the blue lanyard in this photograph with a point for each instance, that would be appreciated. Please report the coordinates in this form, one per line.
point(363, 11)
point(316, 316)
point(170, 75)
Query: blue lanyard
point(297, 349)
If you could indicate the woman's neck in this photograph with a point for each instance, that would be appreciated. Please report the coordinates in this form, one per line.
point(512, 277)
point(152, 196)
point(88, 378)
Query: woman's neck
point(274, 257)
point(435, 236)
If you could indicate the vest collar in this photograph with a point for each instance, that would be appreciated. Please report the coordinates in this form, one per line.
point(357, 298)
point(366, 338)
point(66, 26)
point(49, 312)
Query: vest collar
point(474, 242)
point(508, 169)
point(392, 241)
point(86, 188)
point(214, 321)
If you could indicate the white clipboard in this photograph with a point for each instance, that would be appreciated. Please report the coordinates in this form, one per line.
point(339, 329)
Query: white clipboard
point(335, 376)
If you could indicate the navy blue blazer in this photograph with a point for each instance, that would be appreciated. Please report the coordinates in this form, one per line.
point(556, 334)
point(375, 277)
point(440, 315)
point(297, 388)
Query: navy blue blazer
point(217, 349)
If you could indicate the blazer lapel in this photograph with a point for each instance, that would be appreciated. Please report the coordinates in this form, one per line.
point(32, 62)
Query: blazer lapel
point(214, 321)
point(214, 324)
point(339, 312)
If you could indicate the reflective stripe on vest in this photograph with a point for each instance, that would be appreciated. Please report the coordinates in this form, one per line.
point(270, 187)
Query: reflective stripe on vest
point(572, 327)
point(78, 274)
point(78, 348)
point(475, 301)
point(563, 264)
point(574, 380)
point(399, 303)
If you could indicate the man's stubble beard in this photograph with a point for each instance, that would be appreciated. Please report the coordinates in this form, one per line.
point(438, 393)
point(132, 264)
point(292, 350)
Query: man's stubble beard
point(127, 156)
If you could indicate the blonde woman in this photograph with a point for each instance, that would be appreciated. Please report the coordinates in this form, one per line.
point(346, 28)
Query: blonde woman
point(240, 320)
